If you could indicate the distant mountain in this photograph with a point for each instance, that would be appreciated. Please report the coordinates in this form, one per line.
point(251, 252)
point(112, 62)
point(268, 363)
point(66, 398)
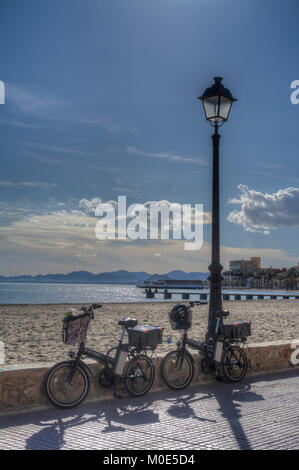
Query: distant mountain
point(83, 277)
point(113, 277)
point(156, 277)
point(182, 276)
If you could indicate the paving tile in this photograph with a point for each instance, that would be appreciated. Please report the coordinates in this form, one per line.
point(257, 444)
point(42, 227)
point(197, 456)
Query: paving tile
point(260, 413)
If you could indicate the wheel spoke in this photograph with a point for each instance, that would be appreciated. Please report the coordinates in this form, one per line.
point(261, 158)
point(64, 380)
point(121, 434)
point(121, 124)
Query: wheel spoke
point(235, 364)
point(177, 370)
point(139, 375)
point(63, 392)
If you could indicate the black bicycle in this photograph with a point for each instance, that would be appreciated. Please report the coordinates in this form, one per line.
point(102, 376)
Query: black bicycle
point(67, 383)
point(222, 356)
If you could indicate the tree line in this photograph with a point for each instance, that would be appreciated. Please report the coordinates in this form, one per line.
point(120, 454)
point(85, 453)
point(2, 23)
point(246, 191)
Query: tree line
point(263, 279)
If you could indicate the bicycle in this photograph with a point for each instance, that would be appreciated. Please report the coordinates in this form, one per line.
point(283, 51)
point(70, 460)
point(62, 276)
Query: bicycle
point(67, 383)
point(222, 355)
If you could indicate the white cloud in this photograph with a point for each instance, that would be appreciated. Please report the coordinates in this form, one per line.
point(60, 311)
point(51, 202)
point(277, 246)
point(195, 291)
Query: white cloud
point(62, 218)
point(58, 149)
point(58, 231)
point(64, 240)
point(107, 124)
point(28, 184)
point(26, 125)
point(169, 156)
point(46, 159)
point(264, 212)
point(30, 102)
point(89, 205)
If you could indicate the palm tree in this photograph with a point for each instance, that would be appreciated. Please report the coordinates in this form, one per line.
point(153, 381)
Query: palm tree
point(292, 276)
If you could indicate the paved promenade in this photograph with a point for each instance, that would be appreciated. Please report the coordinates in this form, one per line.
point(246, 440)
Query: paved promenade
point(260, 413)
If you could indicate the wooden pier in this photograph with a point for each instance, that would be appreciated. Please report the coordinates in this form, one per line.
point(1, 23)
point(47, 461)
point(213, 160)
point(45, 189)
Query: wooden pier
point(167, 295)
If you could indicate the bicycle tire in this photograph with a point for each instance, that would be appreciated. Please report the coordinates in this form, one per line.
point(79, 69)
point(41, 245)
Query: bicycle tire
point(51, 378)
point(173, 357)
point(135, 375)
point(229, 365)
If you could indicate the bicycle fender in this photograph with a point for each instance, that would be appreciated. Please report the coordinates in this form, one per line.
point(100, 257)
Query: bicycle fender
point(85, 366)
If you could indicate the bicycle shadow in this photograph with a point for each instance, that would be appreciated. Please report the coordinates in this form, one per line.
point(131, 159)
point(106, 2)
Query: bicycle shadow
point(110, 419)
point(230, 398)
point(182, 408)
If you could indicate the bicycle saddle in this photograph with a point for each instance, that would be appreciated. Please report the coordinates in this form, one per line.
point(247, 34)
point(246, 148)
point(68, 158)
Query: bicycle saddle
point(128, 322)
point(222, 313)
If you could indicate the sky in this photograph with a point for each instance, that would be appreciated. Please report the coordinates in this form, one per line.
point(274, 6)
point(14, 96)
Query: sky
point(101, 101)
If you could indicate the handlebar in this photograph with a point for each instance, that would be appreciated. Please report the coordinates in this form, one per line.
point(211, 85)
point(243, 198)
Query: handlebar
point(222, 314)
point(197, 302)
point(90, 309)
point(94, 306)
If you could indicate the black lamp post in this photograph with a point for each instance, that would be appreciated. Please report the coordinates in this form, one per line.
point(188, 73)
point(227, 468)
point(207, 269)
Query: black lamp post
point(217, 102)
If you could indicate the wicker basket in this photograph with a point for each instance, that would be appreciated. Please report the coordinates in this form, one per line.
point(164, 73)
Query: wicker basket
point(75, 329)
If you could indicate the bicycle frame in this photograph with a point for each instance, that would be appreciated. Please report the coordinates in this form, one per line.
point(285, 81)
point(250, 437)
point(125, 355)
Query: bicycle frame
point(205, 349)
point(98, 356)
point(67, 383)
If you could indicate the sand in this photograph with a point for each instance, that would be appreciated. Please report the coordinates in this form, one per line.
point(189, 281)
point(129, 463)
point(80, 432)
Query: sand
point(32, 333)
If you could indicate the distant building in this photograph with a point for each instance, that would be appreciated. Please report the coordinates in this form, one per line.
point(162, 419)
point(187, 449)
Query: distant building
point(245, 265)
point(296, 267)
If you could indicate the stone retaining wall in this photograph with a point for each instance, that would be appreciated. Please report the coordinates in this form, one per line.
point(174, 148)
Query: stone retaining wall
point(21, 386)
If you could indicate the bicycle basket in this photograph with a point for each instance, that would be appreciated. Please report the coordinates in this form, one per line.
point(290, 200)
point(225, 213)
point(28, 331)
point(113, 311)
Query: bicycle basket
point(145, 336)
point(75, 329)
point(180, 317)
point(238, 330)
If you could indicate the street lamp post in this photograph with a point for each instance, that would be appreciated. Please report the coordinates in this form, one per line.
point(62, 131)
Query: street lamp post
point(217, 102)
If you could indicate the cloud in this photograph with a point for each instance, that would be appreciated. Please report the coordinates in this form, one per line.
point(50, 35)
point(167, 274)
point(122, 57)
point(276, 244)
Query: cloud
point(267, 166)
point(28, 184)
point(169, 156)
point(25, 125)
point(265, 212)
point(46, 159)
point(58, 149)
point(89, 205)
point(26, 101)
point(62, 218)
point(67, 232)
point(107, 124)
point(63, 240)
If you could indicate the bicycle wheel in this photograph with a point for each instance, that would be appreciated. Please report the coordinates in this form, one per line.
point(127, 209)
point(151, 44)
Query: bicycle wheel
point(177, 372)
point(62, 393)
point(235, 364)
point(139, 375)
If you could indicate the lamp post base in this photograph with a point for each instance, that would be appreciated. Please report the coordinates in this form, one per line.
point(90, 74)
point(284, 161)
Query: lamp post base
point(215, 303)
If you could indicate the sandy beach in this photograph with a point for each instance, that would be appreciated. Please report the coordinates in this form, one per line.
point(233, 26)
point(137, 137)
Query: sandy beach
point(32, 333)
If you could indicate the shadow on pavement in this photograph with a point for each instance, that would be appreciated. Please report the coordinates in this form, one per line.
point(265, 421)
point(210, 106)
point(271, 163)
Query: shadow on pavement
point(230, 398)
point(110, 419)
point(116, 416)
